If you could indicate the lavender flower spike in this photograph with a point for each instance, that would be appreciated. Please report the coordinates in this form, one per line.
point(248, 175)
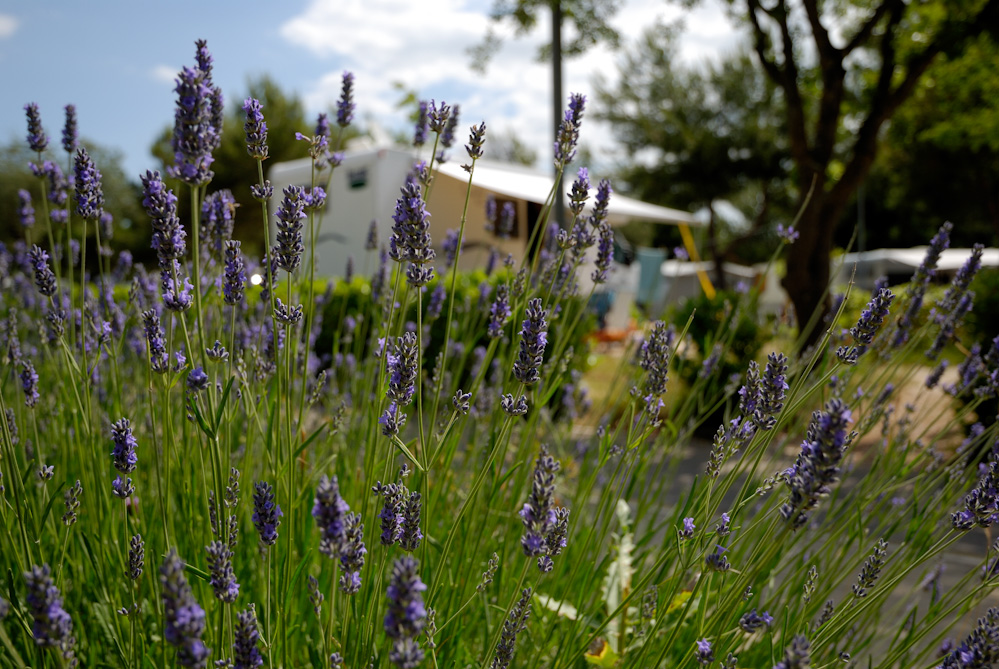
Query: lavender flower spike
point(123, 453)
point(796, 655)
point(161, 205)
point(185, 619)
point(223, 579)
point(255, 128)
point(245, 653)
point(568, 132)
point(330, 511)
point(235, 274)
point(89, 191)
point(817, 466)
point(345, 105)
point(402, 367)
point(515, 623)
point(37, 140)
point(406, 614)
point(534, 339)
point(44, 277)
point(52, 627)
point(69, 135)
point(865, 329)
point(195, 132)
point(266, 513)
point(539, 514)
point(158, 358)
point(605, 253)
point(352, 552)
point(29, 384)
point(289, 247)
point(25, 212)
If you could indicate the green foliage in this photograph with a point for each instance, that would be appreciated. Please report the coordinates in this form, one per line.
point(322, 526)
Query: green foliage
point(703, 133)
point(983, 321)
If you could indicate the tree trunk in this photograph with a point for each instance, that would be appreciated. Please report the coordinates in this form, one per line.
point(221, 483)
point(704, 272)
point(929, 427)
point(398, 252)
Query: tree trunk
point(720, 282)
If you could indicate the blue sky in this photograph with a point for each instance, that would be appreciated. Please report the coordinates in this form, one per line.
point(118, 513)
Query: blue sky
point(116, 60)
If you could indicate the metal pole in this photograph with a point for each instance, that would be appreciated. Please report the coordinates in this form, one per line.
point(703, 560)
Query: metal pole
point(559, 209)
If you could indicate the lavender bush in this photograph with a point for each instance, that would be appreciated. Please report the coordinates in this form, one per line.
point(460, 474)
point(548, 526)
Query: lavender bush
point(515, 528)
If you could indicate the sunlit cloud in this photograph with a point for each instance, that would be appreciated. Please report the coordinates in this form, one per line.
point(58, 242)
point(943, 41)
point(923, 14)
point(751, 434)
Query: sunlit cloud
point(8, 25)
point(164, 73)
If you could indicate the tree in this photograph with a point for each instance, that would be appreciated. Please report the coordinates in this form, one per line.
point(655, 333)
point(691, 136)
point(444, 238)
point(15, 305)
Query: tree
point(590, 20)
point(714, 132)
point(940, 159)
point(234, 169)
point(844, 68)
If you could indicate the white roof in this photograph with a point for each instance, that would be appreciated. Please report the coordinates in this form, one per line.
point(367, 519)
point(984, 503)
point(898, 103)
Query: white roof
point(527, 184)
point(902, 260)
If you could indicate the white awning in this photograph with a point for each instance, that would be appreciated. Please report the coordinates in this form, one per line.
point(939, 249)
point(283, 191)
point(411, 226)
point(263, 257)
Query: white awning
point(526, 184)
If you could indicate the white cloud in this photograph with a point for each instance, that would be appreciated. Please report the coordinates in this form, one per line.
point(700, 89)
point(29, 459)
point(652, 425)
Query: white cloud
point(164, 73)
point(8, 25)
point(423, 45)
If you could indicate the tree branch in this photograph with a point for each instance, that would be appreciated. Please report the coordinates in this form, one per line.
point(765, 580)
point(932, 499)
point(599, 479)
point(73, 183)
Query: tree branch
point(827, 52)
point(865, 30)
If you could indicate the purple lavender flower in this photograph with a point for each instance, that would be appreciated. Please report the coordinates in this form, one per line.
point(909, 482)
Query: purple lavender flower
point(447, 135)
point(345, 105)
point(605, 253)
point(52, 626)
point(450, 247)
point(371, 241)
point(654, 359)
point(262, 192)
point(406, 614)
point(235, 274)
point(287, 314)
point(817, 466)
point(29, 384)
point(223, 579)
point(477, 137)
point(245, 653)
point(717, 561)
point(330, 511)
point(402, 367)
point(218, 213)
point(704, 653)
point(568, 132)
point(123, 453)
point(871, 570)
point(515, 623)
point(290, 215)
point(533, 340)
point(437, 116)
point(352, 552)
point(867, 326)
point(420, 130)
point(499, 312)
point(392, 420)
point(184, 618)
point(507, 217)
point(122, 488)
point(796, 655)
point(959, 285)
point(979, 649)
point(410, 534)
point(981, 505)
point(89, 192)
point(579, 192)
point(436, 303)
point(197, 128)
point(37, 140)
point(158, 359)
point(25, 212)
point(391, 515)
point(688, 528)
point(161, 205)
point(752, 621)
point(69, 130)
point(136, 557)
point(410, 239)
point(266, 513)
point(539, 514)
point(197, 380)
point(255, 128)
point(513, 406)
point(491, 214)
point(773, 388)
point(920, 280)
point(72, 503)
point(44, 277)
point(787, 235)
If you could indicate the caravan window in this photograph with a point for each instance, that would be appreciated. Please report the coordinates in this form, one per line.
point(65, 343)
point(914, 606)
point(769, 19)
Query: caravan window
point(503, 218)
point(357, 178)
